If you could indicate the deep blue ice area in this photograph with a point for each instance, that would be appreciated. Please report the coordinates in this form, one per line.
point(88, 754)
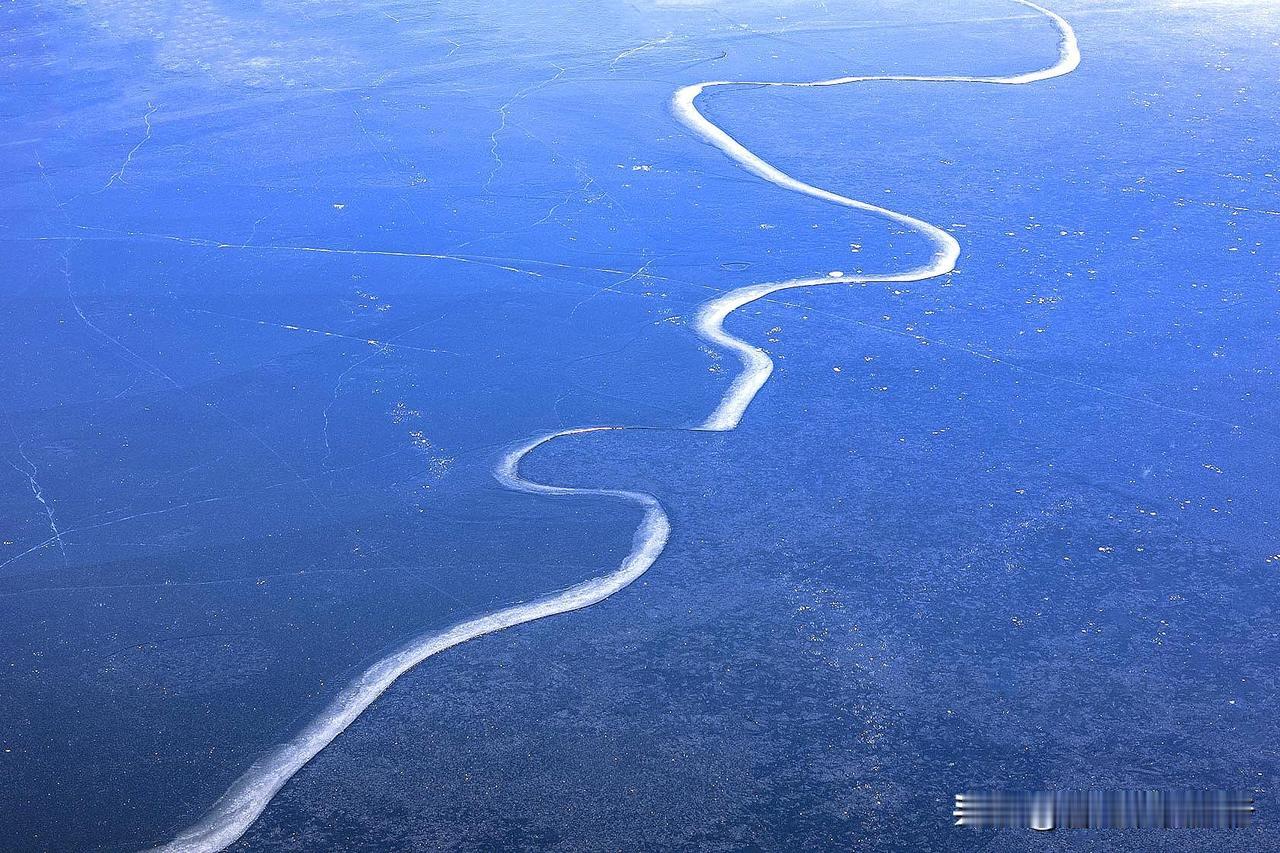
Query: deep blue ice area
point(281, 282)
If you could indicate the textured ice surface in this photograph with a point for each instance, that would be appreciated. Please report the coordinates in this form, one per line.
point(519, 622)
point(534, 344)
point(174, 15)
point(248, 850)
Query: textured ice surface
point(1010, 527)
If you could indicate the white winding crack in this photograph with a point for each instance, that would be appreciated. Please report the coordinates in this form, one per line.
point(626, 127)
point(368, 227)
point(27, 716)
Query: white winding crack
point(237, 809)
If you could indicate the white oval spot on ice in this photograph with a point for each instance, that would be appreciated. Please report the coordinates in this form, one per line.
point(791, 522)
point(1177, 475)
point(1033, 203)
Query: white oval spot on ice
point(836, 274)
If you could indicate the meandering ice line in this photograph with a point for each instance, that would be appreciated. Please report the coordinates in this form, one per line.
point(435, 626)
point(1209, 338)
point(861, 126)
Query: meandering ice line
point(236, 810)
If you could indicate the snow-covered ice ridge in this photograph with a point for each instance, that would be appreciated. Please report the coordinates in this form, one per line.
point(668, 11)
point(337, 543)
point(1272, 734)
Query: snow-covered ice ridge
point(237, 809)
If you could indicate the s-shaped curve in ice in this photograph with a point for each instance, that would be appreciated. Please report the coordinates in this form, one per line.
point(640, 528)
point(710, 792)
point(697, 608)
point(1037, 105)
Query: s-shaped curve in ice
point(236, 810)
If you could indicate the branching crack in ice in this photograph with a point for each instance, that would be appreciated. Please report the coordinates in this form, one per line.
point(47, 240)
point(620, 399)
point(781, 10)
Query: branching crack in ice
point(640, 48)
point(240, 806)
point(337, 392)
point(612, 287)
point(32, 474)
point(118, 174)
point(155, 370)
point(118, 517)
point(503, 112)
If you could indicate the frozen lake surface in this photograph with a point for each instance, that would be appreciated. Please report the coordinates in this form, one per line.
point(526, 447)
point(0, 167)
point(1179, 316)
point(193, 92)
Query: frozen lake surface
point(287, 285)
